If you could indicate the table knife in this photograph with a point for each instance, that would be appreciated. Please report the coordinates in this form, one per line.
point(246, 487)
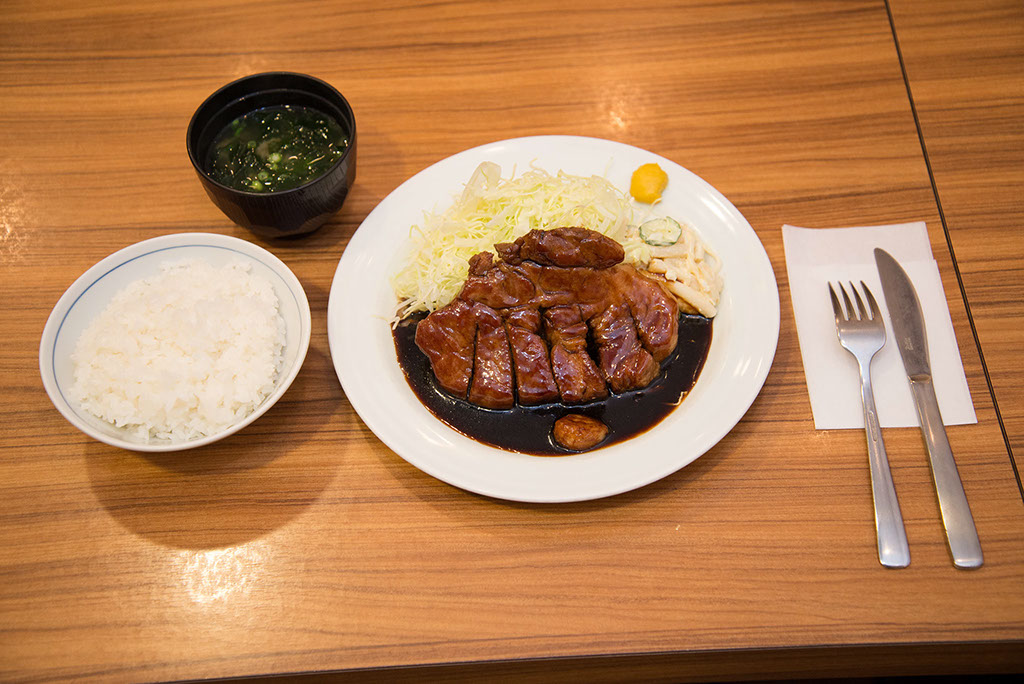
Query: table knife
point(909, 330)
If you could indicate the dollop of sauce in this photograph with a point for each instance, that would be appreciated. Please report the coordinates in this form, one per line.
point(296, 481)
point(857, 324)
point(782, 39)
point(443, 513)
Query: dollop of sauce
point(276, 148)
point(529, 429)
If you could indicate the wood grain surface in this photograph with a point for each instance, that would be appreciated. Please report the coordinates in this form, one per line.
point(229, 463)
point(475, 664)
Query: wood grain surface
point(304, 545)
point(965, 64)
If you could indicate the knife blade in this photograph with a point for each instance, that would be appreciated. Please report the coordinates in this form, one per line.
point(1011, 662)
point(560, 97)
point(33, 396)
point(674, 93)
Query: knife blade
point(911, 339)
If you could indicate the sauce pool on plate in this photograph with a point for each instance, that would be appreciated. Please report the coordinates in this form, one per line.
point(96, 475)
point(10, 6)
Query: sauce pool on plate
point(276, 148)
point(528, 429)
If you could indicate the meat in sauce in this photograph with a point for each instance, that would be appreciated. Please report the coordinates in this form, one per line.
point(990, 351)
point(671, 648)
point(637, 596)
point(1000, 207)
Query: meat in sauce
point(553, 347)
point(577, 432)
point(558, 317)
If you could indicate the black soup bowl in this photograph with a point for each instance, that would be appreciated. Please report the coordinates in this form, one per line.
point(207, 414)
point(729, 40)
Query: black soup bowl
point(281, 213)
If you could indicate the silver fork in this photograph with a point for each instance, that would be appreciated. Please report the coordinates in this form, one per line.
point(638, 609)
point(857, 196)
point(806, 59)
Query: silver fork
point(863, 337)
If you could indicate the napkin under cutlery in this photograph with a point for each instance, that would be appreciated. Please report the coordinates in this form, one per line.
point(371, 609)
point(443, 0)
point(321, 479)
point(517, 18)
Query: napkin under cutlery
point(814, 257)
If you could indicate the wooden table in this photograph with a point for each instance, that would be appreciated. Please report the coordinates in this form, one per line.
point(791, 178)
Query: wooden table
point(302, 544)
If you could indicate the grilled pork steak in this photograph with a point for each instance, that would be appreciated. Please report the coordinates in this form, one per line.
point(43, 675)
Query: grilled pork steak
point(530, 356)
point(577, 377)
point(492, 385)
point(448, 338)
point(566, 247)
point(558, 317)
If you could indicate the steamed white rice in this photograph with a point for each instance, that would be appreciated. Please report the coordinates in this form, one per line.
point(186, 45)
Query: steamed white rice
point(184, 354)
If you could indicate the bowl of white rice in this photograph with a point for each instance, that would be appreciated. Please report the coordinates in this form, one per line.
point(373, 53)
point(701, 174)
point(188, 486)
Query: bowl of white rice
point(175, 342)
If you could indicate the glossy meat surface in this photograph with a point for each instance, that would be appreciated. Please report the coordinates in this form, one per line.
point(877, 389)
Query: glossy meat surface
point(448, 338)
point(578, 432)
point(531, 358)
point(564, 247)
point(492, 385)
point(558, 317)
point(578, 378)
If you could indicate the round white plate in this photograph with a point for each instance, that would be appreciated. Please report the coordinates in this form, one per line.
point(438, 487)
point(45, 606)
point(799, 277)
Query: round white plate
point(744, 339)
point(89, 295)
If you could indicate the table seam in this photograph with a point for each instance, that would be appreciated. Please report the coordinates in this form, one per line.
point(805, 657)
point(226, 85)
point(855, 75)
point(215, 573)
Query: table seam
point(952, 252)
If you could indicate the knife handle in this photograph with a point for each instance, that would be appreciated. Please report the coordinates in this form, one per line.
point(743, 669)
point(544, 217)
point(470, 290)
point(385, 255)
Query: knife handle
point(956, 513)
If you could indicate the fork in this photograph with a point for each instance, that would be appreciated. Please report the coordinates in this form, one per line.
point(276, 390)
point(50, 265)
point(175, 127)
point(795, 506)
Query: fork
point(863, 336)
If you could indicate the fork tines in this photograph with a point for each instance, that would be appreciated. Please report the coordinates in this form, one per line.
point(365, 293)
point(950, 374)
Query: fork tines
point(860, 313)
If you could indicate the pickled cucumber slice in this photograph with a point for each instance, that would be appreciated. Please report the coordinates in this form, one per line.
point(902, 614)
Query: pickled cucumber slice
point(661, 232)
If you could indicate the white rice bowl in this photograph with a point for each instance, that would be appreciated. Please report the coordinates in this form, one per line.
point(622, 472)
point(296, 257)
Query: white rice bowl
point(88, 298)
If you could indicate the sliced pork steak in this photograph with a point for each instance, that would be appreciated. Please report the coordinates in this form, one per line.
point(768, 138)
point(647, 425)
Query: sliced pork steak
point(557, 317)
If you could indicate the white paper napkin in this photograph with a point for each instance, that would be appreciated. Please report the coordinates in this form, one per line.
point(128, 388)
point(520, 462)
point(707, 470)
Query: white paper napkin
point(815, 257)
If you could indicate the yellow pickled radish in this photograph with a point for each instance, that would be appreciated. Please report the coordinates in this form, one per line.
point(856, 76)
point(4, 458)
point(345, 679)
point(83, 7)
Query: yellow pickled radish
point(648, 183)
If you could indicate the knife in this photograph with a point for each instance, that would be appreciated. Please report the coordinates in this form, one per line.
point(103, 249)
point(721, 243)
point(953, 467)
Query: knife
point(909, 331)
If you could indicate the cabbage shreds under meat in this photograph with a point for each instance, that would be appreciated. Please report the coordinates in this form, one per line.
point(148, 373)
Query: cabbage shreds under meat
point(492, 210)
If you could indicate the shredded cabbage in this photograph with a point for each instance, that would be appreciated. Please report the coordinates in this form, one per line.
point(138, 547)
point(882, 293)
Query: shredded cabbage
point(491, 210)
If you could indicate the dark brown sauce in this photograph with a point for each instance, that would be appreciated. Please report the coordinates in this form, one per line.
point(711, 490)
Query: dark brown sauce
point(527, 429)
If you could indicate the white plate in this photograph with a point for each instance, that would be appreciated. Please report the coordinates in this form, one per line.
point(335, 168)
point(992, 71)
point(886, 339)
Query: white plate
point(745, 335)
point(91, 293)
